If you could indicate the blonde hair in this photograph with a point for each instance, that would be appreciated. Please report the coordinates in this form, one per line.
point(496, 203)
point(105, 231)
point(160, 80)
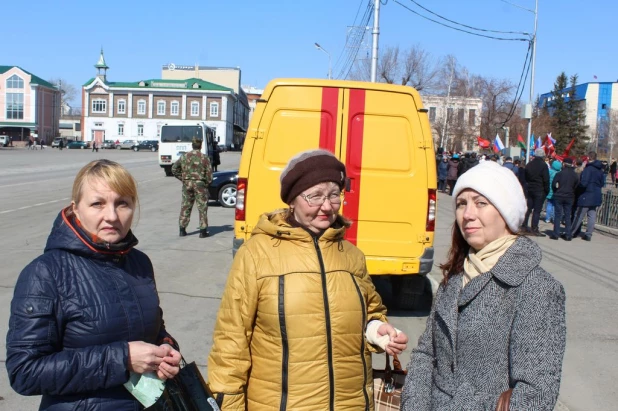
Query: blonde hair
point(113, 174)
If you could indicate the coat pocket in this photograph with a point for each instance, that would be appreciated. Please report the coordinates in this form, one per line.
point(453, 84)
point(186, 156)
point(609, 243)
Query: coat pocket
point(31, 321)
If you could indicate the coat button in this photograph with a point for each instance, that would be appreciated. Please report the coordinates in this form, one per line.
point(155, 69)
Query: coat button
point(452, 367)
point(29, 309)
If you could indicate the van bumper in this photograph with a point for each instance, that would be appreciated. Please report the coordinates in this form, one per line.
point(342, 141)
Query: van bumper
point(237, 242)
point(426, 261)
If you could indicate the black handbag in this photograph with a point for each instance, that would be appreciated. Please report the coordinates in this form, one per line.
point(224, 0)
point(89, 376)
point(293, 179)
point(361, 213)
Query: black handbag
point(186, 392)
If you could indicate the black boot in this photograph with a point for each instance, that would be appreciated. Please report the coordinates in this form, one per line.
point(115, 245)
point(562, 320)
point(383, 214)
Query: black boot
point(204, 233)
point(183, 232)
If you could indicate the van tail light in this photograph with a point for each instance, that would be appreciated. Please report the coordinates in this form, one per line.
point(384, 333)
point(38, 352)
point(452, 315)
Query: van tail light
point(241, 199)
point(431, 211)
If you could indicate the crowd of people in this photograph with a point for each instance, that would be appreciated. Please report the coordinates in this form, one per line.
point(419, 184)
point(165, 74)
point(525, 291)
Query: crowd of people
point(567, 190)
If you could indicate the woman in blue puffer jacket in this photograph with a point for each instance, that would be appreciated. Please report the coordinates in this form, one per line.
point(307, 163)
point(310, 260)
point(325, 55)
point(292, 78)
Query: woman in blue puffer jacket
point(86, 313)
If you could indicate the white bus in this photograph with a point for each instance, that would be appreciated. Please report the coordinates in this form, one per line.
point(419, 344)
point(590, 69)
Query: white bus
point(176, 139)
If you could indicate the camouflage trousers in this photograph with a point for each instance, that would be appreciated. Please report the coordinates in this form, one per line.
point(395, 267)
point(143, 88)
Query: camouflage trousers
point(194, 191)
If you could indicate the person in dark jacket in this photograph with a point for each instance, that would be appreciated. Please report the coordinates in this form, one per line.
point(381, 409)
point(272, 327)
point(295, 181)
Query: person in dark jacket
point(564, 186)
point(86, 314)
point(521, 176)
point(537, 178)
point(451, 174)
point(508, 163)
point(467, 163)
point(442, 173)
point(590, 183)
point(612, 170)
point(497, 327)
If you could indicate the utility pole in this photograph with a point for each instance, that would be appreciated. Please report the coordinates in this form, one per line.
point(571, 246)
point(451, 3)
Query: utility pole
point(375, 33)
point(444, 140)
point(536, 14)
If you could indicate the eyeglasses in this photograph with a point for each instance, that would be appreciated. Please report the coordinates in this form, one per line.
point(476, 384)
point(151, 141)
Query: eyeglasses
point(316, 200)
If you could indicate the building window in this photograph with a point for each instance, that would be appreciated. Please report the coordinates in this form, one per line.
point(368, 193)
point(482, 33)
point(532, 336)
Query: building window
point(14, 82)
point(174, 108)
point(471, 117)
point(449, 114)
point(140, 130)
point(160, 108)
point(214, 109)
point(603, 106)
point(99, 106)
point(98, 124)
point(14, 106)
point(195, 108)
point(141, 107)
point(460, 116)
point(432, 114)
point(122, 106)
point(121, 129)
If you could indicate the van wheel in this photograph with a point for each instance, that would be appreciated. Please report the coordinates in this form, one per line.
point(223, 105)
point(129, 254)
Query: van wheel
point(168, 171)
point(136, 149)
point(412, 292)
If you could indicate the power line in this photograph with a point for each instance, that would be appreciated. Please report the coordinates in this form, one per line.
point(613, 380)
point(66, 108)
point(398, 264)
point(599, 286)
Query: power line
point(524, 76)
point(463, 25)
point(360, 5)
point(458, 29)
point(357, 41)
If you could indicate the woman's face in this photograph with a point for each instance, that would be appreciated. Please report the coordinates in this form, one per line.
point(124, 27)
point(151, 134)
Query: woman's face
point(478, 220)
point(104, 212)
point(317, 218)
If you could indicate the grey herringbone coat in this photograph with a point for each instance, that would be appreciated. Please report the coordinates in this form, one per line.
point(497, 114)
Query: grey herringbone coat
point(505, 329)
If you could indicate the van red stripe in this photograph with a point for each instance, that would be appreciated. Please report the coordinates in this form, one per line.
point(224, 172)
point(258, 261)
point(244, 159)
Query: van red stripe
point(328, 121)
point(354, 159)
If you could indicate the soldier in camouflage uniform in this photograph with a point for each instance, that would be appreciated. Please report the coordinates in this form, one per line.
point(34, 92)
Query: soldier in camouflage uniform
point(195, 172)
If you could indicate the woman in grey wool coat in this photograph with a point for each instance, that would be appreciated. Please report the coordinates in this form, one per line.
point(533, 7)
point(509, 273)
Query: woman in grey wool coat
point(496, 332)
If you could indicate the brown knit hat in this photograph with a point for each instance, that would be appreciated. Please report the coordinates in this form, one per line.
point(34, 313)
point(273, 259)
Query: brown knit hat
point(307, 169)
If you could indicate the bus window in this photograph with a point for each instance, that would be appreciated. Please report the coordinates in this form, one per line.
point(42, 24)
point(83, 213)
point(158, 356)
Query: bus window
point(172, 134)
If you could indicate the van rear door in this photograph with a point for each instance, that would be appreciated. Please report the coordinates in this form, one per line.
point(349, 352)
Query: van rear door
point(296, 118)
point(386, 163)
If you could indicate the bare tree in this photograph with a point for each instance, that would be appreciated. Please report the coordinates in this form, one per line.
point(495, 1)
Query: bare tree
point(497, 98)
point(414, 67)
point(68, 92)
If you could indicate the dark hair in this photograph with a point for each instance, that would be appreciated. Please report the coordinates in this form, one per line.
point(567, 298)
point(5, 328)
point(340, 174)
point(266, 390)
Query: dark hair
point(508, 159)
point(516, 162)
point(196, 144)
point(456, 255)
point(592, 155)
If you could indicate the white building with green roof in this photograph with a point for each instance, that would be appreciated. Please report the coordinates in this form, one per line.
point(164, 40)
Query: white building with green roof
point(29, 105)
point(137, 110)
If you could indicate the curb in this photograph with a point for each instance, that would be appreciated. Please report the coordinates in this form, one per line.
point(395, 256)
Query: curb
point(560, 406)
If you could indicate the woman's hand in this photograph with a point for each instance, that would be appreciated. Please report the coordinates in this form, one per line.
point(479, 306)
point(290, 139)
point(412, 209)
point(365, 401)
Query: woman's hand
point(397, 343)
point(169, 368)
point(144, 357)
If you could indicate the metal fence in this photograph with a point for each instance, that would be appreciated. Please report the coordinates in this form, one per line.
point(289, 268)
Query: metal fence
point(607, 214)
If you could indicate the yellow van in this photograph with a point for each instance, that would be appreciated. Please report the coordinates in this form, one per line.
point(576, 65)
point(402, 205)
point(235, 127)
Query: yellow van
point(382, 134)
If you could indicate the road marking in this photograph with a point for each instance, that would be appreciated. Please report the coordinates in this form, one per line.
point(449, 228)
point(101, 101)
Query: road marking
point(34, 205)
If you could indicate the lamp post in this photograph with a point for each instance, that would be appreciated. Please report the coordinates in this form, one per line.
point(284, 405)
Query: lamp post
point(317, 46)
point(533, 40)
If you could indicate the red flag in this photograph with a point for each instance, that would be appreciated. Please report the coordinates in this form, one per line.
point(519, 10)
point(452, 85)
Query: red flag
point(548, 146)
point(568, 148)
point(482, 142)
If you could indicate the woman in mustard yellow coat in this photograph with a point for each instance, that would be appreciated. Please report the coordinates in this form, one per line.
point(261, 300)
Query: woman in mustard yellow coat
point(300, 316)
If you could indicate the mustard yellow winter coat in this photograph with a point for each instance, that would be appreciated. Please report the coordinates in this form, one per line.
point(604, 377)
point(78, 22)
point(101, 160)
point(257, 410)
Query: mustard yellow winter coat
point(290, 332)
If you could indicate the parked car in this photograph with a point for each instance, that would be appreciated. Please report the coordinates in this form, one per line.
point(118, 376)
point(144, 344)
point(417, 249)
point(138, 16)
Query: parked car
point(223, 188)
point(151, 145)
point(5, 141)
point(78, 144)
point(108, 144)
point(126, 145)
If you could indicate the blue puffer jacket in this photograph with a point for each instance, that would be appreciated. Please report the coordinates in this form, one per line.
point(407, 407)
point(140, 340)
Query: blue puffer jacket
point(555, 168)
point(590, 184)
point(74, 310)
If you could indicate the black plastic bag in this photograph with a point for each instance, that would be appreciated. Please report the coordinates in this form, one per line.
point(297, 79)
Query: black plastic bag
point(186, 392)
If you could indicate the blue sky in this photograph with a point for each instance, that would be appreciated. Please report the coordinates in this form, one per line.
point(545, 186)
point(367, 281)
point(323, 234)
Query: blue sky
point(269, 39)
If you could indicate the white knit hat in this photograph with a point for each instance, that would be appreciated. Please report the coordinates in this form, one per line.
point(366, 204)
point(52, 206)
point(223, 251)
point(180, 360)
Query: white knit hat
point(500, 186)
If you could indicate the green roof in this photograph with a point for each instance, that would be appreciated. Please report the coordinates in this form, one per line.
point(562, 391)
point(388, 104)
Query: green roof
point(188, 84)
point(34, 79)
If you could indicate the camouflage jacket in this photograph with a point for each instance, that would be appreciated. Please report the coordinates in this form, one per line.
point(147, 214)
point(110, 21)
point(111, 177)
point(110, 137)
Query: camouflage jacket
point(193, 166)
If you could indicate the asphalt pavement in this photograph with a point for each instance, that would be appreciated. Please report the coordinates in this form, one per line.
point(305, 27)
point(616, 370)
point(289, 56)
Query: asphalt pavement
point(191, 272)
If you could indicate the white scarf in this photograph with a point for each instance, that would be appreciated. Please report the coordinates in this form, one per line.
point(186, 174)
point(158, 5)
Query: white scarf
point(479, 262)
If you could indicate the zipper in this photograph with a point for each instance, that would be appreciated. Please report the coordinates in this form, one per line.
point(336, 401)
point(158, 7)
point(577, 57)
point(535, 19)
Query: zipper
point(284, 345)
point(362, 348)
point(329, 342)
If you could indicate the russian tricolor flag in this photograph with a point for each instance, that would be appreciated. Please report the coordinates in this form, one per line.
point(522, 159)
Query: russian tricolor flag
point(498, 146)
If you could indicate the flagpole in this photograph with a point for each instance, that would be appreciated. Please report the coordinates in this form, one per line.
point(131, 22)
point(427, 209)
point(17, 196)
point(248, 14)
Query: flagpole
point(536, 9)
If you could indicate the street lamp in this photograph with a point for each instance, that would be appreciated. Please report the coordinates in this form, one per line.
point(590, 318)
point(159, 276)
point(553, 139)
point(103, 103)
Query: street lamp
point(317, 46)
point(533, 40)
